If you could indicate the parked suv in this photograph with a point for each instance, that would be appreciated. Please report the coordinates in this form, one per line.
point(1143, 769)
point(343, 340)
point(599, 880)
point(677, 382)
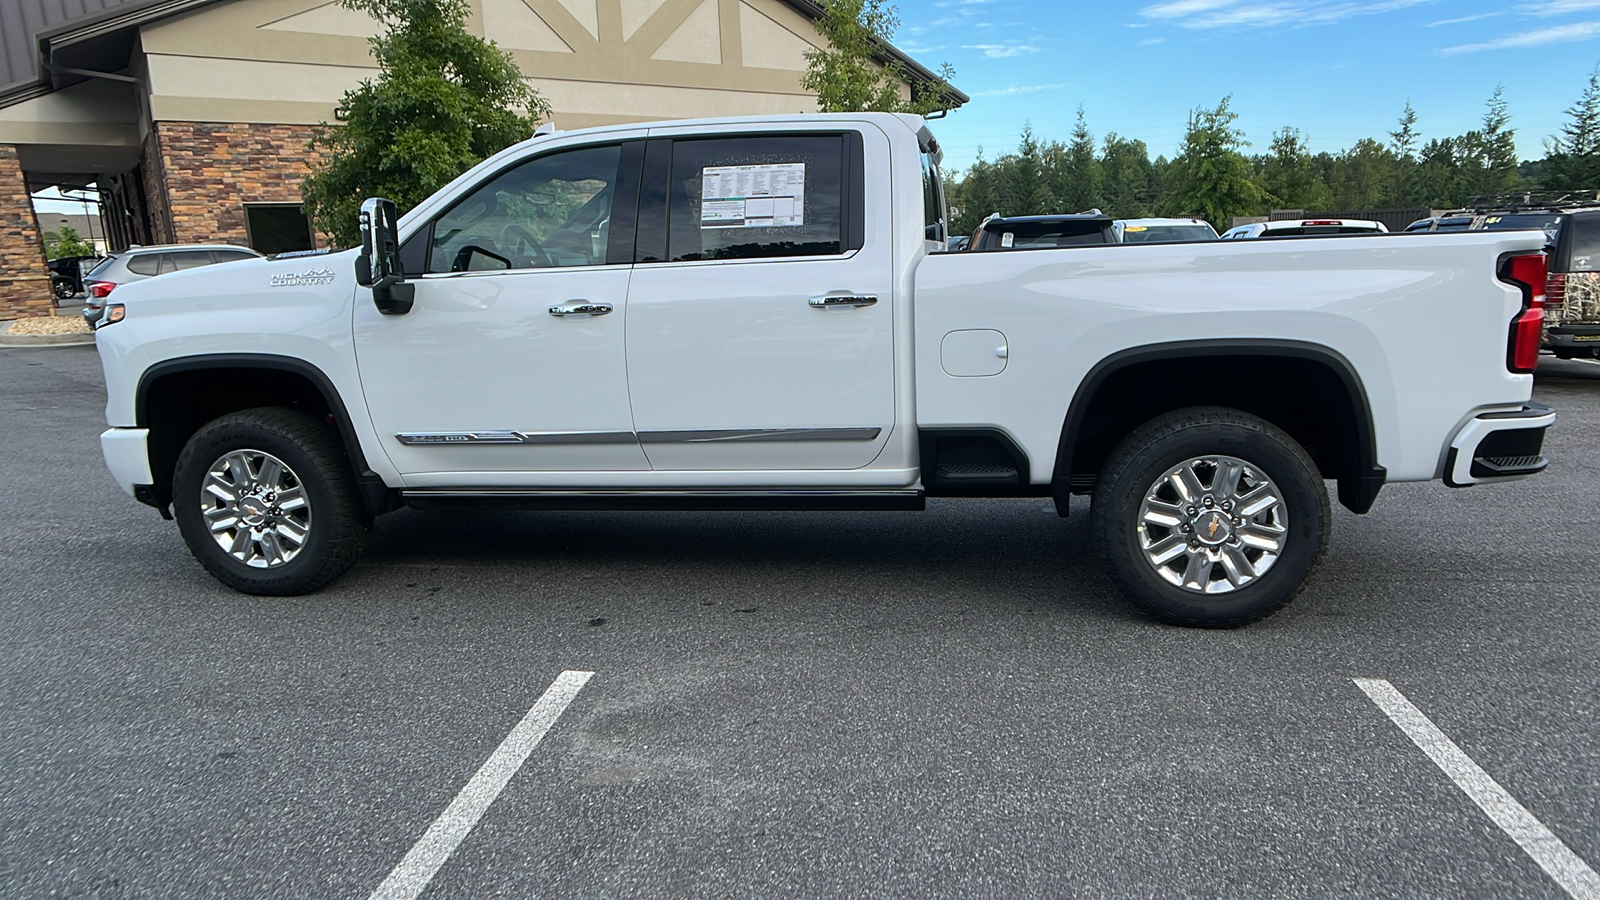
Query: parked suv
point(1304, 228)
point(1162, 231)
point(1043, 232)
point(1572, 294)
point(138, 263)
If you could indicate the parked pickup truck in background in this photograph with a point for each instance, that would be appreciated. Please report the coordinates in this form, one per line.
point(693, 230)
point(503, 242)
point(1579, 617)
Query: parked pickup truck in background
point(754, 314)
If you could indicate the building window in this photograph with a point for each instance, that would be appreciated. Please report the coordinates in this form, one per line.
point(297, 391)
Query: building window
point(278, 228)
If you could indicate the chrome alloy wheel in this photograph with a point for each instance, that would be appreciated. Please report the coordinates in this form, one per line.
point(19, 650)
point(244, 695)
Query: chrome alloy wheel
point(1213, 524)
point(256, 508)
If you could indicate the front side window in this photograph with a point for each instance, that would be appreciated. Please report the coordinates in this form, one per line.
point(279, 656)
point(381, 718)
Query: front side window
point(548, 212)
point(756, 197)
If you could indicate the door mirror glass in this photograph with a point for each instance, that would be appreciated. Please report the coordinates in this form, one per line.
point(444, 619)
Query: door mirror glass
point(378, 266)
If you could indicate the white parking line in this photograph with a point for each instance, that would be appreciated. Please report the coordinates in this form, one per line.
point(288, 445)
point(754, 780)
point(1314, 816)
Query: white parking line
point(447, 832)
point(1555, 857)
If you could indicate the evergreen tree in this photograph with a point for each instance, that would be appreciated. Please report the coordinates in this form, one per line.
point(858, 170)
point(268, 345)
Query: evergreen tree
point(1289, 175)
point(1487, 158)
point(1437, 175)
point(978, 197)
point(1128, 176)
point(1403, 141)
point(1023, 189)
point(1366, 179)
point(1078, 181)
point(1211, 178)
point(443, 101)
point(1574, 154)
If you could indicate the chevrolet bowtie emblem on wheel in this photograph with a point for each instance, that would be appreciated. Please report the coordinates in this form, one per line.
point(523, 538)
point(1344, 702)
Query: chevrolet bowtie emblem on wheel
point(1216, 522)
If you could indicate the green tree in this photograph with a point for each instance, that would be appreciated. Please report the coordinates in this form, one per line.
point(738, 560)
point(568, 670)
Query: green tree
point(1210, 177)
point(443, 101)
point(1077, 178)
point(1024, 190)
point(1289, 173)
point(1403, 141)
point(1366, 174)
point(852, 74)
point(977, 198)
point(1574, 154)
point(66, 242)
point(1487, 158)
point(1128, 177)
point(1435, 182)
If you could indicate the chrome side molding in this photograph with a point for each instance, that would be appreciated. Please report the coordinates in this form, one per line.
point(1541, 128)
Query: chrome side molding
point(750, 435)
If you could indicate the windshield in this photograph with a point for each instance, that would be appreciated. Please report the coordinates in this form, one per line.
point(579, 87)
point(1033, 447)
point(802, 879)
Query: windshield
point(1157, 234)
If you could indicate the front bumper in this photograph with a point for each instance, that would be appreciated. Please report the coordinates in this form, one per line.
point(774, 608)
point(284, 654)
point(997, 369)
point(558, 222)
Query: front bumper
point(1499, 446)
point(127, 453)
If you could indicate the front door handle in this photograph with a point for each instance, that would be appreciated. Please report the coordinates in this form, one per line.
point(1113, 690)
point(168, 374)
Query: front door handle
point(580, 308)
point(835, 301)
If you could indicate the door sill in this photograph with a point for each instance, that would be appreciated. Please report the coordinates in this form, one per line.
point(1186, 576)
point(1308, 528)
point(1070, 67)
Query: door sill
point(732, 501)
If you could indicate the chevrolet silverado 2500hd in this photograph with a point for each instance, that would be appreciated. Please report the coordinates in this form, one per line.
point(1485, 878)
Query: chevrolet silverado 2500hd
point(753, 314)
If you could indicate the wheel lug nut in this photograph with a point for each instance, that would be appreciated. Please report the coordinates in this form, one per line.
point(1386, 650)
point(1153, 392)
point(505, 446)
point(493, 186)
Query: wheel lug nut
point(1185, 528)
point(1209, 502)
point(1192, 511)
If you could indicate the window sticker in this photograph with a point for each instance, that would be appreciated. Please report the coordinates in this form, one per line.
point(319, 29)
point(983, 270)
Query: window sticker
point(1008, 240)
point(770, 196)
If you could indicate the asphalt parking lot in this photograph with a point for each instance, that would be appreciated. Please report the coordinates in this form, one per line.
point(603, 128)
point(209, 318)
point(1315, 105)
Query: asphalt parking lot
point(947, 704)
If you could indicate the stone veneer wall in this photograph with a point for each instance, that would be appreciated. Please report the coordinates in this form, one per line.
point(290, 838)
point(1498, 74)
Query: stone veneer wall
point(24, 278)
point(213, 169)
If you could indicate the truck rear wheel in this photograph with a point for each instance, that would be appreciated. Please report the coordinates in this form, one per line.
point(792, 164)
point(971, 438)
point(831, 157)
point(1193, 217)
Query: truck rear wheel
point(1210, 517)
point(265, 501)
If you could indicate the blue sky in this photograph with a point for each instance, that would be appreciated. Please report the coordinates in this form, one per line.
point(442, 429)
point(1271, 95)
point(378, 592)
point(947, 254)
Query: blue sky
point(1339, 70)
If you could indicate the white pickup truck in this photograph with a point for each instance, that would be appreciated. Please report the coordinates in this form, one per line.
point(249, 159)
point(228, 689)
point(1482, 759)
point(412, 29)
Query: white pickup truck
point(756, 314)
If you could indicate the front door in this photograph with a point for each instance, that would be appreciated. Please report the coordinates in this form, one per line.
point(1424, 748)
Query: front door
point(511, 365)
point(761, 315)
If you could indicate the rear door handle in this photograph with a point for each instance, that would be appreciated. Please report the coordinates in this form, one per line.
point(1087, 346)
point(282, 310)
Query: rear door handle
point(580, 308)
point(834, 301)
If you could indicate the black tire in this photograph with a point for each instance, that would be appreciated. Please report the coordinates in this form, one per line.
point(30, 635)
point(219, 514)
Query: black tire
point(1142, 459)
point(339, 525)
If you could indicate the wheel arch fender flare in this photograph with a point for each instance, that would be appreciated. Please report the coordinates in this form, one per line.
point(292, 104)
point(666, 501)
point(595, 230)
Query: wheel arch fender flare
point(376, 495)
point(1357, 490)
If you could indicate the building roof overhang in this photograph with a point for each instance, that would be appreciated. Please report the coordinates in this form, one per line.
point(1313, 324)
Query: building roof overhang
point(101, 45)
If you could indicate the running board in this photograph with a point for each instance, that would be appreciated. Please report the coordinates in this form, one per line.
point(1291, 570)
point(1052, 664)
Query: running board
point(516, 498)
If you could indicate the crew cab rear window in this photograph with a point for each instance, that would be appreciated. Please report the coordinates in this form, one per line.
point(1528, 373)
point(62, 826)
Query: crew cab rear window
point(551, 211)
point(756, 197)
point(1519, 222)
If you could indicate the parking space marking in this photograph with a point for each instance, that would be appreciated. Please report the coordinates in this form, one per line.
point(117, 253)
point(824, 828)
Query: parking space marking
point(447, 832)
point(1555, 857)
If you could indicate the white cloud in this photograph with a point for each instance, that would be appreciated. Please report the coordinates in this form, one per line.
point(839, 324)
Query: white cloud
point(1559, 7)
point(1002, 51)
point(1560, 34)
point(1255, 13)
point(1465, 19)
point(1021, 89)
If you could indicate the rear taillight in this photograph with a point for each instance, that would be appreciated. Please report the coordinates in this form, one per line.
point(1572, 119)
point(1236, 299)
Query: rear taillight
point(1527, 271)
point(99, 289)
point(1555, 290)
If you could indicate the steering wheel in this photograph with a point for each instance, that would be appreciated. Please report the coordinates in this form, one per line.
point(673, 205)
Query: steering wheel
point(518, 244)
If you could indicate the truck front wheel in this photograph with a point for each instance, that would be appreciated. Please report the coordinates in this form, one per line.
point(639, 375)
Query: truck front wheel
point(1210, 517)
point(265, 500)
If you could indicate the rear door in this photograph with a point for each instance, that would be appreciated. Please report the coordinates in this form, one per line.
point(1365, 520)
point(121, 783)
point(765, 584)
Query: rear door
point(761, 311)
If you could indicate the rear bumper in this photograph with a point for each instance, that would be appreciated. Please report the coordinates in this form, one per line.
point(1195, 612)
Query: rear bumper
point(127, 455)
point(1499, 446)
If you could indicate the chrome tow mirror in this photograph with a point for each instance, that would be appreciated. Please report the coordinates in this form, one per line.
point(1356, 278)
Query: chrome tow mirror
point(378, 266)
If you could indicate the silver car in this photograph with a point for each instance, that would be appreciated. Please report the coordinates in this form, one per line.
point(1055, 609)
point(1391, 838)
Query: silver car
point(138, 263)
